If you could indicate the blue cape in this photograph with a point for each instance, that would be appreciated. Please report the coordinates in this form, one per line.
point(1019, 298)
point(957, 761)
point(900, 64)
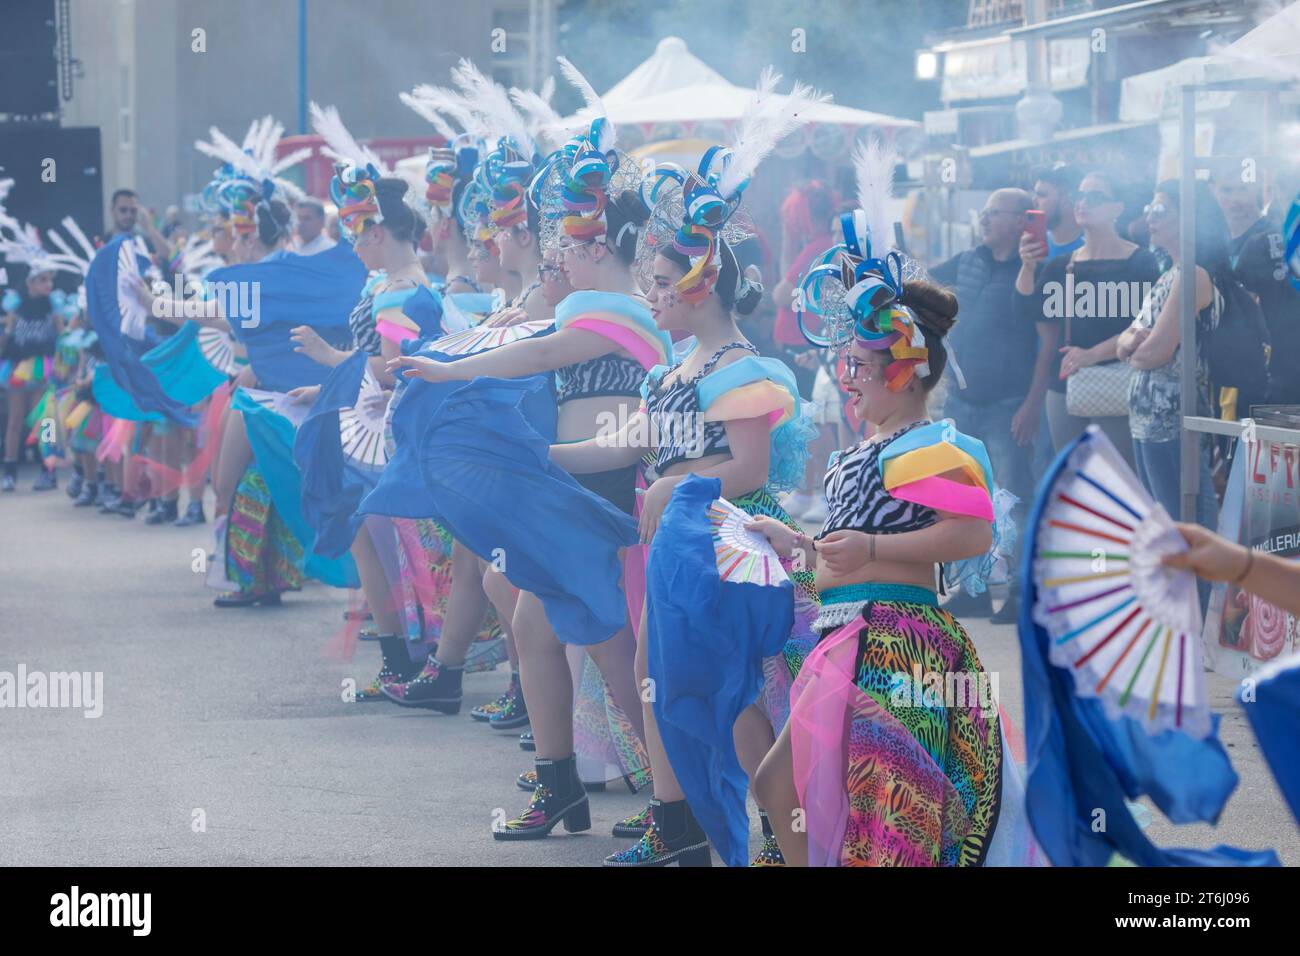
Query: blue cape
point(290, 290)
point(130, 388)
point(1080, 762)
point(707, 641)
point(1275, 717)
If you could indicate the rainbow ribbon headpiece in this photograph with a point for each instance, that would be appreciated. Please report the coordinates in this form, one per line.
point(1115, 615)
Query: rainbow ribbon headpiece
point(353, 191)
point(857, 297)
point(585, 193)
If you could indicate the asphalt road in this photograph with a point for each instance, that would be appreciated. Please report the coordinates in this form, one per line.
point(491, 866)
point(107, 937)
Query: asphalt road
point(232, 718)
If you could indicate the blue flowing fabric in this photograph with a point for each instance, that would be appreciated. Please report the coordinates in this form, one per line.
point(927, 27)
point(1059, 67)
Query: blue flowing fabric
point(1079, 761)
point(485, 460)
point(114, 400)
point(129, 386)
point(707, 640)
point(401, 491)
point(319, 291)
point(1275, 717)
point(332, 485)
point(271, 437)
point(182, 370)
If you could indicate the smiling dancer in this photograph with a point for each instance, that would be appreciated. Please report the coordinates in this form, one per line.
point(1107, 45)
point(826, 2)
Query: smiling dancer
point(916, 495)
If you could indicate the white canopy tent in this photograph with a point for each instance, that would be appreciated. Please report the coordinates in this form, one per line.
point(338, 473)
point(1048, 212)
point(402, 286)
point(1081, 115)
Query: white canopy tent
point(674, 92)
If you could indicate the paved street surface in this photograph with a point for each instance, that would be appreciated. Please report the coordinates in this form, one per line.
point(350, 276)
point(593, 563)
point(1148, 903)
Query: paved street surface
point(235, 713)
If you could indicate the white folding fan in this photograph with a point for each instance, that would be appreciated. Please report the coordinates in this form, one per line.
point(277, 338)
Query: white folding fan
point(361, 427)
point(1127, 628)
point(743, 557)
point(482, 338)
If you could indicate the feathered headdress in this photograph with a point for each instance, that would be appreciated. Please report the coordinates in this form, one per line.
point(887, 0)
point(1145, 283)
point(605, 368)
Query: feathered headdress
point(357, 171)
point(21, 243)
point(703, 202)
point(454, 163)
point(592, 161)
point(855, 287)
point(255, 160)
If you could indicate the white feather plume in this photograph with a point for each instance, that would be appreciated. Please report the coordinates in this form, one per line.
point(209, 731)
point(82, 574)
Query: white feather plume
point(767, 120)
point(491, 101)
point(256, 157)
point(453, 106)
point(428, 113)
point(594, 108)
point(873, 169)
point(340, 145)
point(545, 124)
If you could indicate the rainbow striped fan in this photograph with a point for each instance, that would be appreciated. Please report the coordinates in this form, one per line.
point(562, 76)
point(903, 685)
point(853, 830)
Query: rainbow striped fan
point(135, 317)
point(361, 428)
point(743, 557)
point(218, 347)
point(482, 339)
point(1127, 628)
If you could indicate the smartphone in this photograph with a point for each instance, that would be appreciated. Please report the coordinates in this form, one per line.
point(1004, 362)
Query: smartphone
point(1037, 225)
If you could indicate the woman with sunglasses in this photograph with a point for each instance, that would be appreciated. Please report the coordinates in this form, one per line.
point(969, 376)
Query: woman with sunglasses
point(1152, 346)
point(914, 495)
point(1082, 302)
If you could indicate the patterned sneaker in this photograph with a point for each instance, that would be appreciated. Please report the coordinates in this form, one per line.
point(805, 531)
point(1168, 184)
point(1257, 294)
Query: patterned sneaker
point(549, 805)
point(436, 687)
point(686, 844)
point(527, 781)
point(484, 712)
point(634, 826)
point(769, 854)
point(526, 741)
point(512, 715)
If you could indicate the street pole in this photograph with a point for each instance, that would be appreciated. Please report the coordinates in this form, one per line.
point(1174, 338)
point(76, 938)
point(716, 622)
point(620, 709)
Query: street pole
point(302, 67)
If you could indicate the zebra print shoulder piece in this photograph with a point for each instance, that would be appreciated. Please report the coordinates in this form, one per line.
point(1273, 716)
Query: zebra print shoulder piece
point(856, 497)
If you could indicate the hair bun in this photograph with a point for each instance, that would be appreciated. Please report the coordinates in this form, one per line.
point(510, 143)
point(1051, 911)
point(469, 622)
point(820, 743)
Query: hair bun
point(934, 306)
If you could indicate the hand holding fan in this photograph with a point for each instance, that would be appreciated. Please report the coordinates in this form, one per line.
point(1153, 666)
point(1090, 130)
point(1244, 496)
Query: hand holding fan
point(1127, 628)
point(361, 428)
point(483, 338)
point(743, 556)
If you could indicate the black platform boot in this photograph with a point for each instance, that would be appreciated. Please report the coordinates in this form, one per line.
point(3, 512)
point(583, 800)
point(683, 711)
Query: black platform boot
point(559, 796)
point(397, 666)
point(674, 837)
point(434, 687)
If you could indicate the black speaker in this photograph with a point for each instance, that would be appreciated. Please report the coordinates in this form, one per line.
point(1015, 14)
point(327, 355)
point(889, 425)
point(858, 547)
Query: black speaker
point(29, 86)
point(56, 173)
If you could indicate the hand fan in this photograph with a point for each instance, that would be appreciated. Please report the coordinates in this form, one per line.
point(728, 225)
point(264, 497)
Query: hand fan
point(218, 347)
point(1127, 628)
point(743, 557)
point(134, 315)
point(482, 339)
point(361, 427)
point(279, 403)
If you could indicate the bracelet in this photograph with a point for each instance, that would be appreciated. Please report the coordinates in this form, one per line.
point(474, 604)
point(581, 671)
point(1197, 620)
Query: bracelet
point(873, 548)
point(1250, 563)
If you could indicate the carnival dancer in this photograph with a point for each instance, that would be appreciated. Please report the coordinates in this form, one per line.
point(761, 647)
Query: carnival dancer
point(916, 495)
point(603, 343)
point(723, 422)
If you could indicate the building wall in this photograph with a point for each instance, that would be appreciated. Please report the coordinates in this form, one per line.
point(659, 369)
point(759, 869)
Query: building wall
point(152, 95)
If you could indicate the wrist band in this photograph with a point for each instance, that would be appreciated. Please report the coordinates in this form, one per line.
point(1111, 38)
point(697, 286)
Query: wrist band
point(1250, 563)
point(873, 547)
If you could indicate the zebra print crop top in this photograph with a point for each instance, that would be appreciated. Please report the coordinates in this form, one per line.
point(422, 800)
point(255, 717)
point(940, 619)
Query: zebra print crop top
point(676, 421)
point(856, 498)
point(611, 374)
